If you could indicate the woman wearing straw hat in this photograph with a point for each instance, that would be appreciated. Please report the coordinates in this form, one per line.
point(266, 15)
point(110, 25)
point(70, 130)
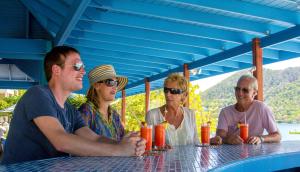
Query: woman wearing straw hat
point(97, 112)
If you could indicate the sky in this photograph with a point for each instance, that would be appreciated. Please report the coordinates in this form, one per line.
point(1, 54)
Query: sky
point(211, 81)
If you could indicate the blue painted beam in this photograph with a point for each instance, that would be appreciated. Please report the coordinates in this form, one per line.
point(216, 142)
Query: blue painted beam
point(158, 76)
point(92, 63)
point(77, 9)
point(87, 52)
point(181, 13)
point(46, 10)
point(16, 84)
point(247, 58)
point(204, 72)
point(43, 20)
point(158, 24)
point(292, 46)
point(153, 35)
point(57, 6)
point(228, 63)
point(23, 46)
point(126, 73)
point(281, 36)
point(34, 69)
point(213, 68)
point(248, 9)
point(130, 49)
point(132, 70)
point(22, 56)
point(104, 59)
point(143, 43)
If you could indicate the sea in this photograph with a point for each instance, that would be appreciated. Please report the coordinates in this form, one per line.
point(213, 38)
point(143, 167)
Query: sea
point(284, 129)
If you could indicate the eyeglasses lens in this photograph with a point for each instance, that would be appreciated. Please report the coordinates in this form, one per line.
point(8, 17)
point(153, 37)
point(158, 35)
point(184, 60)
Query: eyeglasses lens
point(244, 90)
point(78, 66)
point(172, 90)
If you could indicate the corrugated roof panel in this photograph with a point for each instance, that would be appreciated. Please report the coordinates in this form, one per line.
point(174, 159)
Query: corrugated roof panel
point(151, 38)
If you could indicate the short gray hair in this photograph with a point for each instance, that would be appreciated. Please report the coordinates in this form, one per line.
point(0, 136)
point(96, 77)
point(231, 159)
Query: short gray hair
point(253, 83)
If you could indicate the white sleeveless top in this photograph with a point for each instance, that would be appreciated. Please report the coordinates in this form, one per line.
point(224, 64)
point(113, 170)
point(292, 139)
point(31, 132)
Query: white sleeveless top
point(185, 134)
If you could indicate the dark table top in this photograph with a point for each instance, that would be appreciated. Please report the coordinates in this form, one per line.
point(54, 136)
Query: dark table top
point(182, 158)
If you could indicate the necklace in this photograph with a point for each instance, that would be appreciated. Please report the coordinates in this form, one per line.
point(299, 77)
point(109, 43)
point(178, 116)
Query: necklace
point(166, 111)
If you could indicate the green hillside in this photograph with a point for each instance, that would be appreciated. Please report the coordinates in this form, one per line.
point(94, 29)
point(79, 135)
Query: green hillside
point(281, 93)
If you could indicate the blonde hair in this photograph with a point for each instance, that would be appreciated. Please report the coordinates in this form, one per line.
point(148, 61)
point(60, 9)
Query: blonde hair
point(179, 79)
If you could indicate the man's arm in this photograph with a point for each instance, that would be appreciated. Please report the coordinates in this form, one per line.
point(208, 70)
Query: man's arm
point(87, 145)
point(274, 137)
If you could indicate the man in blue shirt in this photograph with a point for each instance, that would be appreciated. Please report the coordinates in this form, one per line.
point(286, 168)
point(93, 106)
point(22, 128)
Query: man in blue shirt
point(44, 125)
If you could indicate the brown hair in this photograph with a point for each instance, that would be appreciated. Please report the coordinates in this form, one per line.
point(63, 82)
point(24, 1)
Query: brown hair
point(92, 96)
point(56, 56)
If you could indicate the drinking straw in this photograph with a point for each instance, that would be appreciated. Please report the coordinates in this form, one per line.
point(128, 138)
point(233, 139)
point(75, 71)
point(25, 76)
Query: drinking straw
point(245, 117)
point(201, 117)
point(137, 118)
point(209, 114)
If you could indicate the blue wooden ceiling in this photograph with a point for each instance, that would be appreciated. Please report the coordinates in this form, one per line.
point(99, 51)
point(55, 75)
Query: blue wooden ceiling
point(145, 38)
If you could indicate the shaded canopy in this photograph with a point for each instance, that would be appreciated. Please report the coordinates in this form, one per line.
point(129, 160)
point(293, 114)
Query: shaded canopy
point(145, 38)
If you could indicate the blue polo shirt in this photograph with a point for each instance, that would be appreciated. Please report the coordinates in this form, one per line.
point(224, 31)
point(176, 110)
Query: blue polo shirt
point(25, 141)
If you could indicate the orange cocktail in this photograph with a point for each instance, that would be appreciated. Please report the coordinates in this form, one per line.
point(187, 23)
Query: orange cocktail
point(160, 137)
point(244, 132)
point(146, 133)
point(205, 134)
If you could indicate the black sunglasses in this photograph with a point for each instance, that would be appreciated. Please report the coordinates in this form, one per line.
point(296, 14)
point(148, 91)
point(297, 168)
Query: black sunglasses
point(78, 66)
point(173, 90)
point(110, 82)
point(238, 89)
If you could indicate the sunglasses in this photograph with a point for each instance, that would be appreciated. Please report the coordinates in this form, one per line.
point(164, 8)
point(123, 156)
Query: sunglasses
point(110, 82)
point(173, 90)
point(244, 90)
point(77, 66)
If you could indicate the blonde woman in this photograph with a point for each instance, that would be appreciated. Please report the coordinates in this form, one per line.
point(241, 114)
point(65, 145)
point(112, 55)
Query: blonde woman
point(182, 128)
point(97, 112)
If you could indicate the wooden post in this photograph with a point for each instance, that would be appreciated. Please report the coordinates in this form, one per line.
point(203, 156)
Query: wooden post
point(186, 74)
point(123, 106)
point(258, 63)
point(147, 95)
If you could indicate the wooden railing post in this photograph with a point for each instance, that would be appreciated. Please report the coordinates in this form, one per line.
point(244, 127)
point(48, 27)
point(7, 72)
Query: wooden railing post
point(123, 107)
point(147, 95)
point(186, 74)
point(258, 63)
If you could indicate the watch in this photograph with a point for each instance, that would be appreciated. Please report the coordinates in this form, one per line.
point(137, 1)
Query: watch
point(261, 139)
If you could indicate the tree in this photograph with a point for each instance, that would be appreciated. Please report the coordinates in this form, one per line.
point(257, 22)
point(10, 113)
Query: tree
point(77, 100)
point(3, 104)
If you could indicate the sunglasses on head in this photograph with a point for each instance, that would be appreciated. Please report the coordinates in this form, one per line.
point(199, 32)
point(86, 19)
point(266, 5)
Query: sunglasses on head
point(77, 66)
point(173, 90)
point(244, 90)
point(110, 82)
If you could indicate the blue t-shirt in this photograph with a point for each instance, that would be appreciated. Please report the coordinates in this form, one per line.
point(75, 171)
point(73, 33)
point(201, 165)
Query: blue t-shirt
point(25, 141)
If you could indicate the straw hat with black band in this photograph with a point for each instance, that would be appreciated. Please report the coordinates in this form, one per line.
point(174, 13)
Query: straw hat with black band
point(103, 72)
